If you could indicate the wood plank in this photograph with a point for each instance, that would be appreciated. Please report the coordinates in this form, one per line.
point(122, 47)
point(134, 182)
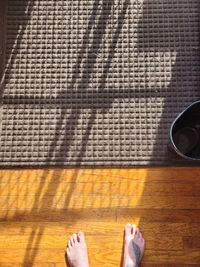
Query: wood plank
point(100, 256)
point(61, 264)
point(66, 201)
point(158, 215)
point(168, 175)
point(59, 241)
point(112, 215)
point(105, 188)
point(169, 265)
point(191, 242)
point(101, 228)
point(177, 257)
point(28, 264)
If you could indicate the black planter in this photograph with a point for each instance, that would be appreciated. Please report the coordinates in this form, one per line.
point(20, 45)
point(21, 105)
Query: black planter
point(185, 133)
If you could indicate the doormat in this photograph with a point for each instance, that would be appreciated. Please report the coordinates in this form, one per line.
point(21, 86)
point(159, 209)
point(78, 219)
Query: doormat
point(95, 82)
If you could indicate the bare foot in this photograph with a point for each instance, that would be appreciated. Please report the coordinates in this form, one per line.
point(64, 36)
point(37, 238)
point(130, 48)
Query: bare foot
point(76, 251)
point(133, 246)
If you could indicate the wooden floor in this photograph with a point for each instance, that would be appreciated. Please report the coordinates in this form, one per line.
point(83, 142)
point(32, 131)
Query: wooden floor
point(40, 209)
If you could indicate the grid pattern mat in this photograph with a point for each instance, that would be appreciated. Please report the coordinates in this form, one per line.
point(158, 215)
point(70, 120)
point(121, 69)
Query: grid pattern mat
point(96, 82)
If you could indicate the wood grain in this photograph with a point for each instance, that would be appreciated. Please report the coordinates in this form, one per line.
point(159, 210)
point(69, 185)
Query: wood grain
point(41, 208)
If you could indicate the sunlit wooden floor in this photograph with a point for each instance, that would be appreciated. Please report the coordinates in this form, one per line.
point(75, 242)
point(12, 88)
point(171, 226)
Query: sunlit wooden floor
point(40, 209)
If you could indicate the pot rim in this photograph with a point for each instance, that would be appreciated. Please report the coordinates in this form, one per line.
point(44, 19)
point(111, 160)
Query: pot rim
point(171, 129)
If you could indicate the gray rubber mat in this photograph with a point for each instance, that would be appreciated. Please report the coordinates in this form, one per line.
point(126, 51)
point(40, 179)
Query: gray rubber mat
point(95, 82)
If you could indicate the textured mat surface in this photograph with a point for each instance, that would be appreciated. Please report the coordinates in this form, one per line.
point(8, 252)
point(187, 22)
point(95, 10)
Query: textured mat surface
point(95, 82)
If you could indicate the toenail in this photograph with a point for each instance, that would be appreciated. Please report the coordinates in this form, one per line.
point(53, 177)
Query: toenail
point(80, 233)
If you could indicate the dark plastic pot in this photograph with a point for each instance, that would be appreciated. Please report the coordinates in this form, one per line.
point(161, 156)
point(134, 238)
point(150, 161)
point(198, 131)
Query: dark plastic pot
point(185, 133)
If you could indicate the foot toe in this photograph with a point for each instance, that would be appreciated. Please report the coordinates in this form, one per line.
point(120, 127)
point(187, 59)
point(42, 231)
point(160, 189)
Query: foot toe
point(133, 229)
point(81, 237)
point(74, 238)
point(128, 228)
point(67, 250)
point(138, 232)
point(139, 235)
point(69, 244)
